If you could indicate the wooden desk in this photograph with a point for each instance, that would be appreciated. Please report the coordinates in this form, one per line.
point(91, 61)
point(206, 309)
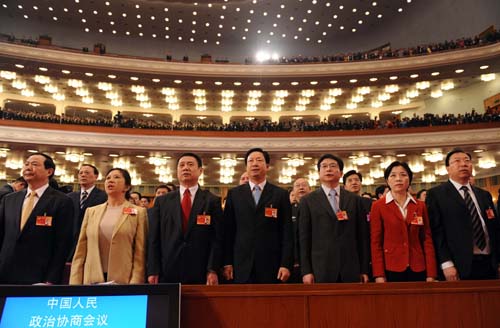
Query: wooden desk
point(464, 304)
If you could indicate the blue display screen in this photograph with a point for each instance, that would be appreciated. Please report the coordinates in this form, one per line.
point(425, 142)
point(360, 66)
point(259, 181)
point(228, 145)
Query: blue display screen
point(75, 311)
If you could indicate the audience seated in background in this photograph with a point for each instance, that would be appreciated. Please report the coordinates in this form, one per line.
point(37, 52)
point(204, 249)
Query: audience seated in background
point(257, 125)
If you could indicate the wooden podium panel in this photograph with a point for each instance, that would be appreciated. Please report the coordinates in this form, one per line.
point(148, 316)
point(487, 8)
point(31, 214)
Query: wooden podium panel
point(464, 304)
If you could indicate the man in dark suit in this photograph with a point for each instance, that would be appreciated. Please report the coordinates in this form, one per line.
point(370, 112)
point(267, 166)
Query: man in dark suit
point(352, 181)
point(35, 228)
point(465, 227)
point(300, 189)
point(185, 235)
point(333, 231)
point(88, 196)
point(258, 227)
point(16, 185)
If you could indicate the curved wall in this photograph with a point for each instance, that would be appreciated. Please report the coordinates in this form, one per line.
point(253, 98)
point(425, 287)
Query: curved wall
point(423, 21)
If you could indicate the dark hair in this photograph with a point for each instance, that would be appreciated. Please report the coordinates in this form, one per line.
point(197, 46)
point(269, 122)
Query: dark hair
point(21, 180)
point(330, 156)
point(420, 192)
point(451, 153)
point(198, 158)
point(171, 186)
point(162, 186)
point(48, 163)
point(394, 164)
point(380, 190)
point(96, 171)
point(349, 173)
point(259, 150)
point(126, 176)
point(136, 192)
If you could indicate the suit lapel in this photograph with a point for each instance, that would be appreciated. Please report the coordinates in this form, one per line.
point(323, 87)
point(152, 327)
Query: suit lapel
point(248, 196)
point(18, 208)
point(197, 208)
point(411, 212)
point(42, 203)
point(265, 197)
point(322, 199)
point(122, 219)
point(454, 194)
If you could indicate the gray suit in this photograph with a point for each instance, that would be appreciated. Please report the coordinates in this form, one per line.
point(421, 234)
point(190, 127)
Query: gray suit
point(333, 250)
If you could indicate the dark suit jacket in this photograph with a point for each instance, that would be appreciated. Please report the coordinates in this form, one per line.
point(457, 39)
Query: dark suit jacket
point(6, 189)
point(96, 197)
point(37, 253)
point(330, 249)
point(396, 243)
point(451, 226)
point(255, 245)
point(185, 258)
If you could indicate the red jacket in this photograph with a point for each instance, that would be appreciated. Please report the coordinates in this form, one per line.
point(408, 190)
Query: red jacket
point(396, 243)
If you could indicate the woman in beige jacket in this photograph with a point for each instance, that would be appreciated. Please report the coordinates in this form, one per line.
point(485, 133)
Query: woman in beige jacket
point(112, 242)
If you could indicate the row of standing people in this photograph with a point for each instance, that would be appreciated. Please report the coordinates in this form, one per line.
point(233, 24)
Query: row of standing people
point(258, 238)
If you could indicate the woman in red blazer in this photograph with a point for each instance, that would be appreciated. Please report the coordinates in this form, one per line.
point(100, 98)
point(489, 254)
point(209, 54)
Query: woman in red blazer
point(401, 242)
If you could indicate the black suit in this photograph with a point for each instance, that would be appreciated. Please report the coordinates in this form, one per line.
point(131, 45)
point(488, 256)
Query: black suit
point(6, 189)
point(37, 253)
point(330, 249)
point(96, 197)
point(185, 257)
point(451, 226)
point(255, 245)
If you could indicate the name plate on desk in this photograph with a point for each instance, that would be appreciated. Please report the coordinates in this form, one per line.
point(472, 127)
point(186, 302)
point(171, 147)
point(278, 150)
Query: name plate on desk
point(115, 306)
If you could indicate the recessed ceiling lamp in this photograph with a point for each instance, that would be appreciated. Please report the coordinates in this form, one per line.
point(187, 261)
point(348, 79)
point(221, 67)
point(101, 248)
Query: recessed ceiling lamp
point(435, 73)
point(458, 71)
point(484, 67)
point(414, 76)
point(488, 77)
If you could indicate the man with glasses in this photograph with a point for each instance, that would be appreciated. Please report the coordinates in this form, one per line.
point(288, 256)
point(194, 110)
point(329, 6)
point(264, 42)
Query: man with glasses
point(465, 227)
point(333, 231)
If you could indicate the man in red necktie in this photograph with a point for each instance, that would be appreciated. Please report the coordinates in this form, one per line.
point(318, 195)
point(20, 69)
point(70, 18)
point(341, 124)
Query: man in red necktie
point(185, 234)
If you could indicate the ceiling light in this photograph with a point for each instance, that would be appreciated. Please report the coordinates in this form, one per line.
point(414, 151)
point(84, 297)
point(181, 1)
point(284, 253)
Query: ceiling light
point(488, 77)
point(414, 76)
point(435, 73)
point(436, 93)
point(483, 67)
point(458, 71)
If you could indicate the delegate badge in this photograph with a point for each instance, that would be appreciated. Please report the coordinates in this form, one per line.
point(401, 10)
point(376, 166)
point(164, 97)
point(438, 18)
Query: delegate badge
point(130, 211)
point(203, 219)
point(342, 216)
point(490, 214)
point(271, 212)
point(44, 221)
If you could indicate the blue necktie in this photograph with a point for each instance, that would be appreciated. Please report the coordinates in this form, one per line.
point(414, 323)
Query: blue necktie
point(333, 200)
point(256, 194)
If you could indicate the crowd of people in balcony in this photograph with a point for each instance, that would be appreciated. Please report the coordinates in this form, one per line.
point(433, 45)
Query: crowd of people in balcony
point(386, 51)
point(383, 52)
point(259, 125)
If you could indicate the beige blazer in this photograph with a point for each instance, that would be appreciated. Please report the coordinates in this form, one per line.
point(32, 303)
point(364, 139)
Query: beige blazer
point(127, 254)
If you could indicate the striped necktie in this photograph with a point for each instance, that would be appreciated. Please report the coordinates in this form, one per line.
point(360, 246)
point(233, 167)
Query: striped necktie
point(477, 227)
point(83, 199)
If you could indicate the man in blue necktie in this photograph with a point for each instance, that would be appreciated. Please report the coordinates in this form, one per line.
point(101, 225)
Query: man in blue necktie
point(333, 231)
point(258, 227)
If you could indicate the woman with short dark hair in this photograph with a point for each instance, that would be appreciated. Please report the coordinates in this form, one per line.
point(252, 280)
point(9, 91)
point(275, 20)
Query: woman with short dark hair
point(112, 242)
point(401, 243)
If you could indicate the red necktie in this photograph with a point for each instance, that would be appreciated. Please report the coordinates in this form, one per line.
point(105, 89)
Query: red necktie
point(186, 209)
